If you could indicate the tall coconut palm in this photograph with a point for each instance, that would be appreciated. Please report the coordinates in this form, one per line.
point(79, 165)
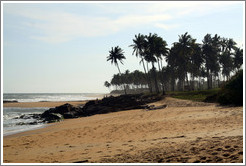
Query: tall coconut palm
point(226, 59)
point(238, 58)
point(160, 51)
point(150, 56)
point(182, 50)
point(210, 53)
point(116, 54)
point(196, 61)
point(139, 44)
point(172, 60)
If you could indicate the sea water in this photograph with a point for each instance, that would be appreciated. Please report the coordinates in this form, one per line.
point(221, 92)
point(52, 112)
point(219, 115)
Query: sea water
point(10, 120)
point(41, 97)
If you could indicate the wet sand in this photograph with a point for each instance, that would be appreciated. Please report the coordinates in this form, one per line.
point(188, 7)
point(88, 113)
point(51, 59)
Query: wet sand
point(185, 131)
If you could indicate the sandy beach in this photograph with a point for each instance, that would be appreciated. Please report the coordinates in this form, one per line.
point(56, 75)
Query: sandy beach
point(185, 131)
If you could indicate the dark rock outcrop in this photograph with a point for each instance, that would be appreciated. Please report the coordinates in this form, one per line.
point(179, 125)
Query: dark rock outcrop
point(66, 111)
point(119, 103)
point(106, 105)
point(10, 101)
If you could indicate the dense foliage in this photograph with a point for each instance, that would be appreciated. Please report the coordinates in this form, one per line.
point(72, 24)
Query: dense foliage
point(232, 91)
point(186, 65)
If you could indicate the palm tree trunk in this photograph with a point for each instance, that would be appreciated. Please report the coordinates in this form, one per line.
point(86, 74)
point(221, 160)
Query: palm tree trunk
point(187, 80)
point(162, 81)
point(151, 89)
point(172, 83)
point(120, 74)
point(208, 78)
point(148, 80)
point(155, 78)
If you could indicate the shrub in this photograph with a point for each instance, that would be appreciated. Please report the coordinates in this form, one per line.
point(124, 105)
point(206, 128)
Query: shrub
point(232, 92)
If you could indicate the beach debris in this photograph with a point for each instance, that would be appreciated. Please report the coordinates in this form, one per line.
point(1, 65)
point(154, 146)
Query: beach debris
point(153, 107)
point(82, 161)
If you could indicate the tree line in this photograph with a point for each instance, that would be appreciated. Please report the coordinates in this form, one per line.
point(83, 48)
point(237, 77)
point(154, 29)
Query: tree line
point(188, 64)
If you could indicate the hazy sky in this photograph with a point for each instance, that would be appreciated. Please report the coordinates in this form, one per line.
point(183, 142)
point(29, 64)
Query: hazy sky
point(62, 47)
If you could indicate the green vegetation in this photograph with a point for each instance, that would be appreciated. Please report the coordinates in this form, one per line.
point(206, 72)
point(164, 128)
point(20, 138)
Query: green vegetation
point(232, 91)
point(194, 95)
point(199, 68)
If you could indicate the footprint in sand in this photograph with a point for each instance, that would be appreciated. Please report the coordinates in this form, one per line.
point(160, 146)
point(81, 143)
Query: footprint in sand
point(241, 153)
point(214, 153)
point(71, 146)
point(107, 156)
point(83, 153)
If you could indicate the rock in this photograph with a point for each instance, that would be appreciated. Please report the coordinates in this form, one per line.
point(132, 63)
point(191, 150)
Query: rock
point(106, 105)
point(119, 103)
point(29, 123)
point(66, 111)
point(52, 117)
point(29, 116)
point(10, 101)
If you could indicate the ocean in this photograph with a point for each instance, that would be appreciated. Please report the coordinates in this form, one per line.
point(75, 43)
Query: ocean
point(12, 124)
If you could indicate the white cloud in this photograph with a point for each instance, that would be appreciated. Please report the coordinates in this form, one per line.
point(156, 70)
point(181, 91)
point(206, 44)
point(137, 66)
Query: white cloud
point(56, 26)
point(166, 26)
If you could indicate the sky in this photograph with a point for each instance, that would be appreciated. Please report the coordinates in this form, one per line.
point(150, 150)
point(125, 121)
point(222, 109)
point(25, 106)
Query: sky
point(61, 47)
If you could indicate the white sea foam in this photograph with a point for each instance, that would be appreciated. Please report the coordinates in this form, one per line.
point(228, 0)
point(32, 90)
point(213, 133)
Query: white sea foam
point(37, 97)
point(10, 114)
point(11, 120)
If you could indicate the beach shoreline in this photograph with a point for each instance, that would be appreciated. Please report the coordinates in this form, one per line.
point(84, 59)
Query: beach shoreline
point(185, 131)
point(48, 104)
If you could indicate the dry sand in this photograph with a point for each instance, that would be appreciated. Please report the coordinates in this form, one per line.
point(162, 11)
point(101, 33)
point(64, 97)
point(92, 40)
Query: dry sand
point(185, 131)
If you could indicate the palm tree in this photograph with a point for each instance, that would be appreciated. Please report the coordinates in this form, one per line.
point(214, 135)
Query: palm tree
point(116, 54)
point(150, 56)
point(181, 55)
point(196, 61)
point(238, 58)
point(226, 59)
point(172, 63)
point(139, 50)
point(160, 51)
point(210, 53)
point(107, 84)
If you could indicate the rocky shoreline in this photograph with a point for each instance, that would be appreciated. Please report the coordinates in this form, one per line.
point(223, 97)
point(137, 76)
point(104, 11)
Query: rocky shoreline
point(93, 107)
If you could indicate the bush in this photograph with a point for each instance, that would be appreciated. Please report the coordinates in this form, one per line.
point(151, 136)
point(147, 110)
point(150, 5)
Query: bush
point(232, 92)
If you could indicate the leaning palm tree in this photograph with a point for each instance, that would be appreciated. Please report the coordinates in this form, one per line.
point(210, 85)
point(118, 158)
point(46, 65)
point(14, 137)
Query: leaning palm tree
point(116, 54)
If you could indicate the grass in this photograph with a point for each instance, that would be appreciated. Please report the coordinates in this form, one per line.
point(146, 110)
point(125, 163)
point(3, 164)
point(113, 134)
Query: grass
point(194, 95)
